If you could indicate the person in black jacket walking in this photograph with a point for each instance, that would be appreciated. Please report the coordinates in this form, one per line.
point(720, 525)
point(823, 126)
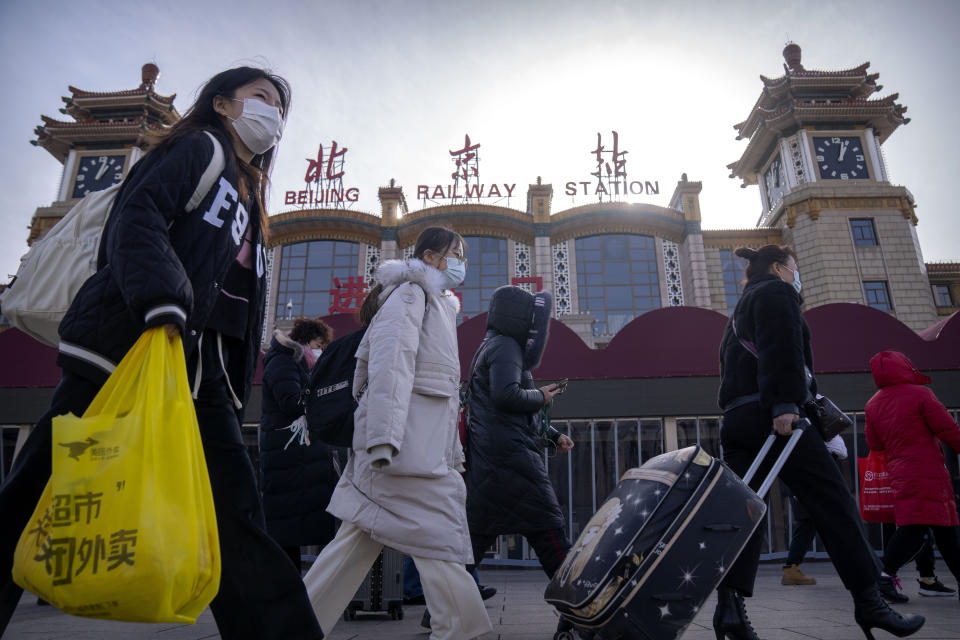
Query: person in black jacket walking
point(766, 367)
point(200, 275)
point(508, 489)
point(297, 475)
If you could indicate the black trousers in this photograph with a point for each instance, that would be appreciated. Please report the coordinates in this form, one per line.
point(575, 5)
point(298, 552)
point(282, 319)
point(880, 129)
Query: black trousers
point(814, 479)
point(909, 541)
point(261, 595)
point(551, 547)
point(804, 531)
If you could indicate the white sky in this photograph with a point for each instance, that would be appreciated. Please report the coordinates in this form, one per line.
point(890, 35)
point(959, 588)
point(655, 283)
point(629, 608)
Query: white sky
point(399, 84)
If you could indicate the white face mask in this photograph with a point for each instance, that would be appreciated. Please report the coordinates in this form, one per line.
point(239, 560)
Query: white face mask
point(455, 272)
point(259, 126)
point(316, 352)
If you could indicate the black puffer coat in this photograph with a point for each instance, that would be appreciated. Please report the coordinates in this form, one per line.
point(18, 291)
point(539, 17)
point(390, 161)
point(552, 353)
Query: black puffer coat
point(159, 264)
point(508, 490)
point(768, 317)
point(297, 482)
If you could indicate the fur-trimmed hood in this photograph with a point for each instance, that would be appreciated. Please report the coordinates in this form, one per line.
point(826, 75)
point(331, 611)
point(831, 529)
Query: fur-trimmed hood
point(282, 340)
point(393, 273)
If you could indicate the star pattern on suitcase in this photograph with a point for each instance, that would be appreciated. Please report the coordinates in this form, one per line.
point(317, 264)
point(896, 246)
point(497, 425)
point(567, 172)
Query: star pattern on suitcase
point(687, 576)
point(664, 610)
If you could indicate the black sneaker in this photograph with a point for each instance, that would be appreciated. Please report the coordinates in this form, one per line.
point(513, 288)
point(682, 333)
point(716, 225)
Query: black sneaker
point(425, 620)
point(934, 588)
point(488, 592)
point(891, 590)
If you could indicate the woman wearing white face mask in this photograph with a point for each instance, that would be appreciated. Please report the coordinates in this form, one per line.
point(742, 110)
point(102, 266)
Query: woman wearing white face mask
point(766, 366)
point(191, 259)
point(402, 486)
point(297, 474)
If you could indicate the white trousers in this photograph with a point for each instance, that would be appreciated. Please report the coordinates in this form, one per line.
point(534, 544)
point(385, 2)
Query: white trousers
point(456, 608)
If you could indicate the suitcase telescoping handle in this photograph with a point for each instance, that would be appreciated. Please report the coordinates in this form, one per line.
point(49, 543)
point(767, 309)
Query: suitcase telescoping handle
point(798, 427)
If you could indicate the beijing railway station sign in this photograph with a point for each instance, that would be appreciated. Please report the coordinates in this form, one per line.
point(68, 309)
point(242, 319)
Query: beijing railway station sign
point(607, 181)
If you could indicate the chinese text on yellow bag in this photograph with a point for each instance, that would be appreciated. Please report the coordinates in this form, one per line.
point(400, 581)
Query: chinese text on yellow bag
point(126, 527)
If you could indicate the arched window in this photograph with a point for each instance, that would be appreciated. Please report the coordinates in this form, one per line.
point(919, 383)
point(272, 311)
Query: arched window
point(307, 270)
point(617, 279)
point(734, 268)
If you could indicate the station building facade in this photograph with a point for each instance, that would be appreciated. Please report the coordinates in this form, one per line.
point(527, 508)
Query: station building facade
point(642, 292)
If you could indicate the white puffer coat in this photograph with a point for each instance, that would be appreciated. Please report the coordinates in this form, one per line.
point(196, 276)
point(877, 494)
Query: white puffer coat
point(403, 484)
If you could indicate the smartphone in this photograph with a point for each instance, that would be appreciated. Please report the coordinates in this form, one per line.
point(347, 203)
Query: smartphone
point(562, 386)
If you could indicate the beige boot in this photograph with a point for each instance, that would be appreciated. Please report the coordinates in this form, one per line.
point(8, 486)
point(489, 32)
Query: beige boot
point(793, 576)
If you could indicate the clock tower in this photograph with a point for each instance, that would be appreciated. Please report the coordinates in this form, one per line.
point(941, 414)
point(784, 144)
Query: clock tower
point(109, 133)
point(814, 150)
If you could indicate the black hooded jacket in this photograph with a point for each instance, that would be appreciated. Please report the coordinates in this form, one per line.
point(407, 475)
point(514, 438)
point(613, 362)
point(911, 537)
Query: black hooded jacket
point(159, 264)
point(297, 482)
point(768, 317)
point(508, 489)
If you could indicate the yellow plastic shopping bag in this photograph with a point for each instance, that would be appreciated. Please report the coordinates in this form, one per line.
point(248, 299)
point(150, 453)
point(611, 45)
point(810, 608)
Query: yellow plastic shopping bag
point(126, 527)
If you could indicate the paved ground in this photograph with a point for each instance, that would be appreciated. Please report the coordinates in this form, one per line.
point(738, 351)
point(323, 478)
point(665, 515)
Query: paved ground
point(518, 612)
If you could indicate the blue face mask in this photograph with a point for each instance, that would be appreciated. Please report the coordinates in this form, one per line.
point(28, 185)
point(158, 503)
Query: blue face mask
point(796, 281)
point(455, 272)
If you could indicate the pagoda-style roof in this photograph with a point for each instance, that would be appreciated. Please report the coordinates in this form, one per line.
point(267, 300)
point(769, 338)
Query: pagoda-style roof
point(113, 118)
point(59, 137)
point(804, 97)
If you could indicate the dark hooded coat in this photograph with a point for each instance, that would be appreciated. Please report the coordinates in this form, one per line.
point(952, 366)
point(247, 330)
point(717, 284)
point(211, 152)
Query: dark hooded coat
point(297, 481)
point(508, 489)
point(905, 419)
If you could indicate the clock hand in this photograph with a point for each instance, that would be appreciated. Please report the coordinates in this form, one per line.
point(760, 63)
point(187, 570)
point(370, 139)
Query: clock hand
point(103, 168)
point(843, 150)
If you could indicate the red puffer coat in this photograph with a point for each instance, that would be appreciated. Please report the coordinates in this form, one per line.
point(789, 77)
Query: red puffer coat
point(905, 419)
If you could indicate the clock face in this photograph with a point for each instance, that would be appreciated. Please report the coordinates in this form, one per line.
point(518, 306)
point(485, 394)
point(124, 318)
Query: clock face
point(840, 158)
point(774, 182)
point(97, 172)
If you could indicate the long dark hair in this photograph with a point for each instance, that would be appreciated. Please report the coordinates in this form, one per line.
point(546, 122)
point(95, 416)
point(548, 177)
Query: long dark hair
point(760, 260)
point(201, 115)
point(437, 239)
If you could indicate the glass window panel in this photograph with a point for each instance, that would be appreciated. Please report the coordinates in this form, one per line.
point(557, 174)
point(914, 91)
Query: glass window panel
point(316, 303)
point(618, 298)
point(487, 270)
point(941, 295)
point(299, 249)
point(616, 273)
point(319, 279)
point(606, 276)
point(628, 446)
point(581, 458)
point(651, 439)
point(321, 254)
point(687, 435)
point(615, 247)
point(709, 429)
point(605, 467)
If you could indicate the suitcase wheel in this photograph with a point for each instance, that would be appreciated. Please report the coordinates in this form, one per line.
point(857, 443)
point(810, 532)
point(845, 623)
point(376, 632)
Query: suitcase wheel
point(349, 614)
point(396, 613)
point(564, 635)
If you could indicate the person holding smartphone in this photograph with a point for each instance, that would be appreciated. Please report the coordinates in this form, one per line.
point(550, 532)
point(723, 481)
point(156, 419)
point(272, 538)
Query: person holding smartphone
point(508, 489)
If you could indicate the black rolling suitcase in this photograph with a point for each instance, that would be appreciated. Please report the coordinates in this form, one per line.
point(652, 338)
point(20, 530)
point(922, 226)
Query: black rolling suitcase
point(659, 546)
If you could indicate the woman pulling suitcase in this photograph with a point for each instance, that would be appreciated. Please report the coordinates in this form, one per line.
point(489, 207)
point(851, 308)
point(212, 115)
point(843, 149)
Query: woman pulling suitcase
point(771, 386)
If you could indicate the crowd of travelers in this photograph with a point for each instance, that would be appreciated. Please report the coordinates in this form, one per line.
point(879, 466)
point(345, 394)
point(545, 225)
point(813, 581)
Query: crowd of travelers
point(407, 482)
